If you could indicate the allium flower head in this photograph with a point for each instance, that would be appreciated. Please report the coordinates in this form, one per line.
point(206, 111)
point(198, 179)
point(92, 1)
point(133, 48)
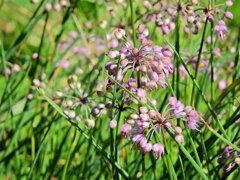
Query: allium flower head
point(153, 61)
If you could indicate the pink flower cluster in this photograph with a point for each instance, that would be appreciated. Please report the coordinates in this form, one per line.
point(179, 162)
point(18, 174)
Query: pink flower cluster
point(231, 156)
point(165, 15)
point(141, 126)
point(154, 62)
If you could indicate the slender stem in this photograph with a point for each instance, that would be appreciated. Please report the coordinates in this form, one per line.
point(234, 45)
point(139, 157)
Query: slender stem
point(180, 160)
point(211, 63)
point(206, 155)
point(68, 158)
point(114, 131)
point(133, 23)
point(194, 148)
point(178, 48)
point(212, 76)
point(199, 57)
point(166, 149)
point(35, 65)
point(143, 168)
point(115, 140)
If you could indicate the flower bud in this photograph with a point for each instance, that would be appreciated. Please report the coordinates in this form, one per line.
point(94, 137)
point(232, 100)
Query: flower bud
point(79, 118)
point(134, 116)
point(57, 7)
point(237, 160)
point(16, 67)
point(34, 1)
point(228, 15)
point(100, 93)
point(147, 5)
point(190, 19)
point(143, 142)
point(145, 32)
point(71, 114)
point(90, 123)
point(140, 28)
point(227, 167)
point(30, 96)
point(118, 35)
point(35, 55)
point(178, 130)
point(143, 110)
point(229, 3)
point(179, 138)
point(95, 112)
point(113, 123)
point(153, 102)
point(143, 81)
point(130, 121)
point(221, 85)
point(48, 7)
point(36, 82)
point(188, 109)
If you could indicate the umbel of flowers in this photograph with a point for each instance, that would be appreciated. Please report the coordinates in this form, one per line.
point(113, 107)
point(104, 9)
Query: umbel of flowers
point(192, 15)
point(140, 127)
point(154, 64)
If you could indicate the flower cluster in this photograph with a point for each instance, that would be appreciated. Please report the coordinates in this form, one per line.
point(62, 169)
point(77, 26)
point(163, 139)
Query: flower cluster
point(165, 15)
point(229, 154)
point(154, 62)
point(142, 126)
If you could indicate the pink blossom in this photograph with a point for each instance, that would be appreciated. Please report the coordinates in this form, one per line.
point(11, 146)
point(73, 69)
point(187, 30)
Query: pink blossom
point(158, 149)
point(221, 29)
point(113, 123)
point(125, 129)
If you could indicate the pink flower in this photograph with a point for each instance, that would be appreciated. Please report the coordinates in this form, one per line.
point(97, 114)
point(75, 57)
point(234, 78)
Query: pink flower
point(114, 43)
point(65, 65)
point(57, 7)
point(158, 149)
point(141, 93)
point(193, 120)
point(146, 148)
point(228, 15)
point(222, 85)
point(221, 29)
point(125, 129)
point(113, 123)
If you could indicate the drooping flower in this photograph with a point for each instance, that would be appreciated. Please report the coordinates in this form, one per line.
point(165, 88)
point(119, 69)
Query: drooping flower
point(221, 30)
point(125, 129)
point(193, 120)
point(158, 149)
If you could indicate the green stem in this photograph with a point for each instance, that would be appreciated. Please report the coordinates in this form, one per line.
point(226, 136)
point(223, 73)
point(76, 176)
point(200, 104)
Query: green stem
point(178, 48)
point(133, 23)
point(171, 170)
point(68, 158)
point(114, 131)
point(143, 168)
point(115, 140)
point(199, 57)
point(194, 148)
point(206, 155)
